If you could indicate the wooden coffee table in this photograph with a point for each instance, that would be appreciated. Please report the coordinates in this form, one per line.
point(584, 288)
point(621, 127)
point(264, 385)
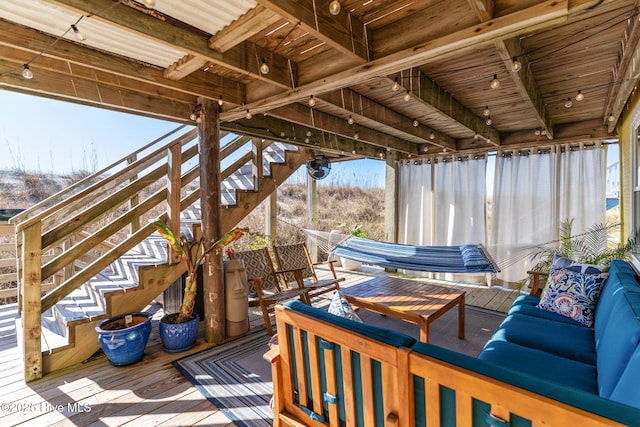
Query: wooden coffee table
point(408, 300)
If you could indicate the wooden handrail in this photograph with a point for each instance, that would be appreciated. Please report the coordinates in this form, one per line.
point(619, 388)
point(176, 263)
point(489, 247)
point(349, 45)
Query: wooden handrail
point(22, 216)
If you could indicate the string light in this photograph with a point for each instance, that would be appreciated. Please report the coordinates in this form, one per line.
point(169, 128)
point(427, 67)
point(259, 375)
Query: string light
point(515, 65)
point(334, 7)
point(248, 115)
point(543, 131)
point(579, 96)
point(220, 102)
point(356, 136)
point(568, 104)
point(395, 86)
point(77, 32)
point(611, 118)
point(476, 136)
point(537, 132)
point(264, 67)
point(432, 135)
point(416, 123)
point(495, 83)
point(27, 73)
point(312, 101)
point(350, 120)
point(150, 3)
point(486, 112)
point(407, 96)
point(308, 132)
point(489, 122)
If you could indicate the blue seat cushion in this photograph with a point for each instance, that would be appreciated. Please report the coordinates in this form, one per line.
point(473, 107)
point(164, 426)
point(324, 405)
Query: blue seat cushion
point(526, 304)
point(546, 366)
point(627, 390)
point(618, 342)
point(386, 336)
point(562, 339)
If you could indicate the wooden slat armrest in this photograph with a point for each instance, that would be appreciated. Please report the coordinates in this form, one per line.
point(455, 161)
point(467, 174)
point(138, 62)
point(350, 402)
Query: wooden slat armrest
point(536, 288)
point(272, 355)
point(330, 263)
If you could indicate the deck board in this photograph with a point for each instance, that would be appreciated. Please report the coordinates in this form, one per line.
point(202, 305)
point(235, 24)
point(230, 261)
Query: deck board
point(151, 392)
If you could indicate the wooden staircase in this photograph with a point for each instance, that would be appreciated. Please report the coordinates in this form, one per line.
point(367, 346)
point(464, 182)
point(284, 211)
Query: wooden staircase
point(107, 259)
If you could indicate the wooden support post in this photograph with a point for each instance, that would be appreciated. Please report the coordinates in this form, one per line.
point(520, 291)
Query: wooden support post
point(312, 215)
point(31, 313)
point(210, 205)
point(174, 162)
point(271, 216)
point(258, 167)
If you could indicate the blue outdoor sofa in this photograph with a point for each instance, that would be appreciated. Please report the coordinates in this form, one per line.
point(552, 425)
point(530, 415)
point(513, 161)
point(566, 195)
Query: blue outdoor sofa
point(539, 368)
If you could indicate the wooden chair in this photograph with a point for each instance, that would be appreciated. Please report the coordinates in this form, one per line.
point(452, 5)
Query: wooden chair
point(264, 282)
point(538, 282)
point(296, 265)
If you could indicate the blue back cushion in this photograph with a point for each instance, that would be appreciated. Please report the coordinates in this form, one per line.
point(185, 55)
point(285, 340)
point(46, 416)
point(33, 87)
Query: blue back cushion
point(618, 342)
point(627, 390)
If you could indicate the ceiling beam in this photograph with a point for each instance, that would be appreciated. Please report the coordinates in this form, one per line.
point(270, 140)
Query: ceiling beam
point(625, 75)
point(342, 32)
point(538, 16)
point(14, 40)
point(275, 129)
point(314, 119)
point(81, 90)
point(248, 25)
point(364, 110)
point(523, 79)
point(242, 58)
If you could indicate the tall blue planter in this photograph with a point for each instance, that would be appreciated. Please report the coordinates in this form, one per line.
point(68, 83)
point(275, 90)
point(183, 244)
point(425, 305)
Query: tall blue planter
point(124, 345)
point(177, 337)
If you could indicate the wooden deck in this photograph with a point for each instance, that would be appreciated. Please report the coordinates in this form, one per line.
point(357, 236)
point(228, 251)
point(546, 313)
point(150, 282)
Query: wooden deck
point(150, 392)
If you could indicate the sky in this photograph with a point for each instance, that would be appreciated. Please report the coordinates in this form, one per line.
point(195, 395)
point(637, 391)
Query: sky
point(49, 136)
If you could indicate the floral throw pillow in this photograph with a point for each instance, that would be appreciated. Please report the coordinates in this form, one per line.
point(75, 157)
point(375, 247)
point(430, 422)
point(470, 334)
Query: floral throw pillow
point(572, 294)
point(340, 307)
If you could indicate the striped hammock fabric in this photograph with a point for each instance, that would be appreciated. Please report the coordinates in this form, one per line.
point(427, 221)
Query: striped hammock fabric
point(436, 259)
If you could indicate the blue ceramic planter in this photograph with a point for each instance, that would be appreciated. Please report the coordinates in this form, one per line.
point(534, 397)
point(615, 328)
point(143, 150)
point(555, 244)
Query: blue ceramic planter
point(177, 337)
point(124, 345)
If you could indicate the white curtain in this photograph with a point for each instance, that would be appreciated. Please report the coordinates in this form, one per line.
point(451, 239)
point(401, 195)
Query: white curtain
point(415, 198)
point(582, 186)
point(534, 193)
point(442, 202)
point(523, 208)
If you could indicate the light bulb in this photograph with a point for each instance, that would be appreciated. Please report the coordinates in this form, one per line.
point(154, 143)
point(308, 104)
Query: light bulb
point(432, 135)
point(395, 86)
point(611, 118)
point(543, 131)
point(579, 96)
point(150, 3)
point(193, 116)
point(306, 140)
point(388, 148)
point(486, 112)
point(537, 132)
point(356, 136)
point(220, 102)
point(495, 83)
point(568, 104)
point(308, 132)
point(416, 123)
point(425, 149)
point(353, 151)
point(489, 122)
point(77, 32)
point(515, 65)
point(26, 72)
point(312, 101)
point(350, 120)
point(334, 7)
point(407, 96)
point(248, 115)
point(476, 136)
point(264, 67)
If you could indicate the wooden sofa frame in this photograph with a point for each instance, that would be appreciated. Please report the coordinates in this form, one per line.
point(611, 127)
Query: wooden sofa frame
point(442, 372)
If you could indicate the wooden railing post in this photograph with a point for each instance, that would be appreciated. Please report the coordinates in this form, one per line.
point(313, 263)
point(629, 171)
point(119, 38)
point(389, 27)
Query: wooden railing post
point(31, 294)
point(174, 161)
point(133, 202)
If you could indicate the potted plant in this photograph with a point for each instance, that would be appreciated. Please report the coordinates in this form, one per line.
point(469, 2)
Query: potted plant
point(123, 338)
point(178, 331)
point(350, 264)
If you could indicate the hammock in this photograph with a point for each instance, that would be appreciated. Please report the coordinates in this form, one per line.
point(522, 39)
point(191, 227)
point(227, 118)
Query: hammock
point(436, 259)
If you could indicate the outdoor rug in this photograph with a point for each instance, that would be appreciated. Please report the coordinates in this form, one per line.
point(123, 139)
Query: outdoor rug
point(236, 379)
